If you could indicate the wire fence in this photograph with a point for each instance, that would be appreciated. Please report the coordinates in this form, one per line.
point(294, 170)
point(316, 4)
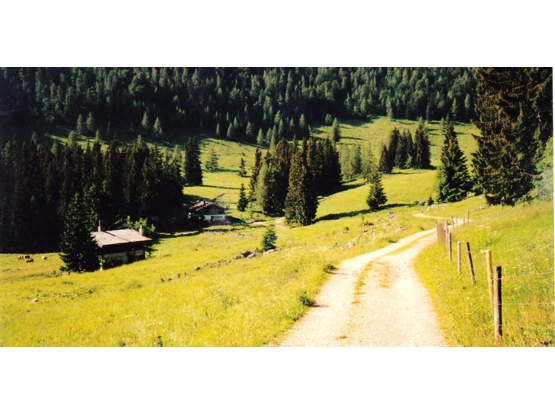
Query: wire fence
point(517, 286)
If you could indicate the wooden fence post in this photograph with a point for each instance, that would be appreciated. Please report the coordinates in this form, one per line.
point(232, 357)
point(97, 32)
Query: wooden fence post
point(489, 270)
point(470, 266)
point(497, 305)
point(459, 257)
point(449, 251)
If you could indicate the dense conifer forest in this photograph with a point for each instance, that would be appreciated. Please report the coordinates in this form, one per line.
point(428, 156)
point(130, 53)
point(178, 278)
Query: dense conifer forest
point(231, 102)
point(38, 183)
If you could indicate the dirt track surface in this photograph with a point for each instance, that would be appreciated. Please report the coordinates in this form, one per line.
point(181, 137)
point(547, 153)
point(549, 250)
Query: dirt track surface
point(392, 308)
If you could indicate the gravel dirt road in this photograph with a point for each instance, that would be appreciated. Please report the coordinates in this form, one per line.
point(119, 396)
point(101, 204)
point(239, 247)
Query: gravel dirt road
point(392, 308)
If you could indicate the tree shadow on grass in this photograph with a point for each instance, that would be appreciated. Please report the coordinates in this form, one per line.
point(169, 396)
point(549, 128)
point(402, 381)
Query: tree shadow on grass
point(336, 216)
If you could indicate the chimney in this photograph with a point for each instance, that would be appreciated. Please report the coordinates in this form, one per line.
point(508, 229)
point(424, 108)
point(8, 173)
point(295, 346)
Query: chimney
point(141, 230)
point(99, 227)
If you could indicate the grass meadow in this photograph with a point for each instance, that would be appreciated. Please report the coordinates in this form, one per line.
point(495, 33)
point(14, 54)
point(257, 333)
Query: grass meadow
point(253, 302)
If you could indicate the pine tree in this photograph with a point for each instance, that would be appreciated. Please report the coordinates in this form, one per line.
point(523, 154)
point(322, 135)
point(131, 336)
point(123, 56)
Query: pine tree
point(212, 163)
point(335, 131)
point(383, 165)
point(192, 169)
point(376, 195)
point(243, 201)
point(255, 172)
point(242, 169)
point(515, 117)
point(303, 127)
point(230, 135)
point(392, 145)
point(145, 123)
point(453, 179)
point(90, 125)
point(260, 138)
point(158, 128)
point(265, 186)
point(300, 207)
point(79, 250)
point(269, 239)
point(367, 162)
point(389, 109)
point(218, 131)
point(421, 158)
point(81, 125)
point(249, 132)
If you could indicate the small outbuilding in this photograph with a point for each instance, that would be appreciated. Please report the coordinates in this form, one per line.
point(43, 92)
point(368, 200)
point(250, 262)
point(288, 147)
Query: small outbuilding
point(121, 246)
point(208, 211)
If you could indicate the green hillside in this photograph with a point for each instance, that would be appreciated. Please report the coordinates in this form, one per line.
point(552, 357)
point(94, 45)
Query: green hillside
point(246, 302)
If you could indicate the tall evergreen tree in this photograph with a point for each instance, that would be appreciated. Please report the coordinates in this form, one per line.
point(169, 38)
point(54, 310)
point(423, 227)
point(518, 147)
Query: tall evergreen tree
point(453, 180)
point(300, 207)
point(368, 162)
point(376, 195)
point(254, 173)
point(383, 165)
point(243, 201)
point(515, 117)
point(421, 158)
point(81, 125)
point(145, 123)
point(260, 138)
point(90, 124)
point(192, 169)
point(242, 169)
point(158, 128)
point(335, 131)
point(79, 250)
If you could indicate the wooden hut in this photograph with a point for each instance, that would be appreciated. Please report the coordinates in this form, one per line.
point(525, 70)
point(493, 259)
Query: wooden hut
point(121, 246)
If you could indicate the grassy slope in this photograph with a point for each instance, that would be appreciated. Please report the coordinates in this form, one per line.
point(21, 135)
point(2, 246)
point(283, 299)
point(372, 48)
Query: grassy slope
point(248, 302)
point(521, 240)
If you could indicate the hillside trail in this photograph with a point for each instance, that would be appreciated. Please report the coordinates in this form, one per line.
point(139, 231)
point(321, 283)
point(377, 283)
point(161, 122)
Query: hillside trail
point(392, 308)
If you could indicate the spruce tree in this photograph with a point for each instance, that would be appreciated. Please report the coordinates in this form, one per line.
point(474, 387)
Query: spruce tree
point(300, 207)
point(81, 125)
point(269, 239)
point(421, 158)
point(192, 169)
point(453, 179)
point(212, 163)
point(243, 201)
point(158, 128)
point(515, 118)
point(383, 165)
point(145, 123)
point(90, 124)
point(218, 131)
point(368, 162)
point(303, 127)
point(230, 135)
point(242, 169)
point(260, 138)
point(335, 131)
point(79, 250)
point(254, 173)
point(376, 196)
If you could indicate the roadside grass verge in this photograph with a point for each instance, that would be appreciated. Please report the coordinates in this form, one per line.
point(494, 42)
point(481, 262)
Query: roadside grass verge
point(521, 240)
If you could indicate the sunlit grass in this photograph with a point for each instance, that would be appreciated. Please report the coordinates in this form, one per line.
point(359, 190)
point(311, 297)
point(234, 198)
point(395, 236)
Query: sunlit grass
point(521, 241)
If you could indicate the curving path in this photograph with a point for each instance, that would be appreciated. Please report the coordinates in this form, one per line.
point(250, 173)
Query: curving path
point(393, 308)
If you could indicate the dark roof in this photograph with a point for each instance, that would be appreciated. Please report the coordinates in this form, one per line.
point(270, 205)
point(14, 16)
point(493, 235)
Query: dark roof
point(117, 237)
point(201, 205)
